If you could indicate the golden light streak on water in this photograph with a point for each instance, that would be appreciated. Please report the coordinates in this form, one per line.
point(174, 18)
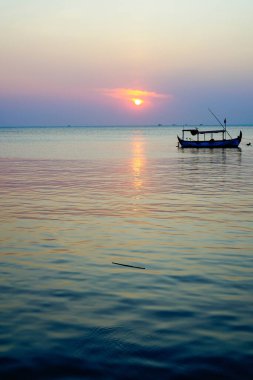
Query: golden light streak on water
point(138, 162)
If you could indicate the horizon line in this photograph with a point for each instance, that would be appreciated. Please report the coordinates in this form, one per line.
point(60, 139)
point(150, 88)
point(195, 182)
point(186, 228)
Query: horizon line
point(121, 125)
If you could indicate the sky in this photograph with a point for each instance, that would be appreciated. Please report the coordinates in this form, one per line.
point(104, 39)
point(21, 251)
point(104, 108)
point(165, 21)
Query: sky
point(120, 62)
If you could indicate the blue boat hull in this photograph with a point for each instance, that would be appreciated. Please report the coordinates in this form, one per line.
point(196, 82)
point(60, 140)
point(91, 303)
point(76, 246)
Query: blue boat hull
point(232, 143)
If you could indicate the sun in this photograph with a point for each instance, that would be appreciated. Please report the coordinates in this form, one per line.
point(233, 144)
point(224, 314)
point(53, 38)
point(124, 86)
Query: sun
point(138, 102)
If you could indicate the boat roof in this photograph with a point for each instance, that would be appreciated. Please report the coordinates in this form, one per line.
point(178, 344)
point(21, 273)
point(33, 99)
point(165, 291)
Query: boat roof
point(203, 132)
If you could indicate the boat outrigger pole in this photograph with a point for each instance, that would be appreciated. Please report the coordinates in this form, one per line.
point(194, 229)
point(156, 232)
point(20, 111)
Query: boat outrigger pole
point(224, 126)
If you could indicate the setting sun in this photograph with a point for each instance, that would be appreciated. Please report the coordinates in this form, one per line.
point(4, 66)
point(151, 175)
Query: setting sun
point(134, 99)
point(137, 102)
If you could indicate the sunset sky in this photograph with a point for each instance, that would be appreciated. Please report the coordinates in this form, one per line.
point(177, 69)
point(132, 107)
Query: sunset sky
point(93, 62)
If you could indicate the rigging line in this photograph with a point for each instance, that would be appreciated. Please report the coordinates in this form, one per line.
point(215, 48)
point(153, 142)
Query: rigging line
point(223, 126)
point(216, 118)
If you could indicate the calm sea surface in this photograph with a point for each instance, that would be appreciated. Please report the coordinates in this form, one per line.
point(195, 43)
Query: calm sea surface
point(74, 201)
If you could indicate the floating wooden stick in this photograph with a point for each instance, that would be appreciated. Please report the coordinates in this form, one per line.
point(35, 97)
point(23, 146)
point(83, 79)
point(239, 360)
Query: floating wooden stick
point(126, 265)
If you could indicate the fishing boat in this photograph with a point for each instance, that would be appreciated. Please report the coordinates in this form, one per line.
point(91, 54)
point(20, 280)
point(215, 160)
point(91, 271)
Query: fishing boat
point(208, 142)
point(205, 139)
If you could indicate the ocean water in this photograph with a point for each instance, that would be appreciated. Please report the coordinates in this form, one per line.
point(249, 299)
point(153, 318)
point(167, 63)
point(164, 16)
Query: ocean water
point(75, 201)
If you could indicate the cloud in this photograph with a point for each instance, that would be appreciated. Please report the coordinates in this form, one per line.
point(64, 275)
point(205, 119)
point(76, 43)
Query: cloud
point(129, 94)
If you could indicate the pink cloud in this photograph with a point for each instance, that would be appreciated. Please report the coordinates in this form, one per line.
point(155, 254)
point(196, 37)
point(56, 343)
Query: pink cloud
point(129, 94)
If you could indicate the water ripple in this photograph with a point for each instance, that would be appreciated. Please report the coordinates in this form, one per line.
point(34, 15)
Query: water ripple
point(75, 200)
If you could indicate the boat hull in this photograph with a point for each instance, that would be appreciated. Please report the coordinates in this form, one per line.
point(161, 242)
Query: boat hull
point(232, 143)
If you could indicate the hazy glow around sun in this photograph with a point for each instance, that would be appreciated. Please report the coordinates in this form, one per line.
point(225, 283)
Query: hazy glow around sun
point(136, 97)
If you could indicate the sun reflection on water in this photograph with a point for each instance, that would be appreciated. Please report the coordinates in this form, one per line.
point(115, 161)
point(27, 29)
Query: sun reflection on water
point(138, 162)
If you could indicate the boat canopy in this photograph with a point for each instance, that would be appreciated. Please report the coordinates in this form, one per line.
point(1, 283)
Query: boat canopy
point(197, 132)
